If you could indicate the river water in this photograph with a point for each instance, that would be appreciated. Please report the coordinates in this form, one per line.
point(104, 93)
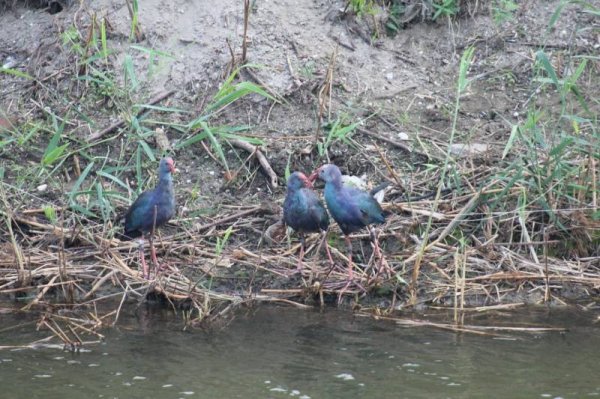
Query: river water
point(273, 352)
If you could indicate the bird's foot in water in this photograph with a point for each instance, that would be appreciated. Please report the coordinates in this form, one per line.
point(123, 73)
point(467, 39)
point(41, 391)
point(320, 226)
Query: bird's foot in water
point(343, 291)
point(383, 264)
point(351, 282)
point(347, 287)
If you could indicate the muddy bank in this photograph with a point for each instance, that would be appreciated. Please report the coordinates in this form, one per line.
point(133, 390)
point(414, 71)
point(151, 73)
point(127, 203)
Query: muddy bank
point(493, 187)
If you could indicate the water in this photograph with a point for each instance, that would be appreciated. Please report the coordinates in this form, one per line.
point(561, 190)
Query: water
point(288, 353)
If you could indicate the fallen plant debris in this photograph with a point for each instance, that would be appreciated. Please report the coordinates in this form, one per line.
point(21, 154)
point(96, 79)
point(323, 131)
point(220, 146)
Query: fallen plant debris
point(488, 140)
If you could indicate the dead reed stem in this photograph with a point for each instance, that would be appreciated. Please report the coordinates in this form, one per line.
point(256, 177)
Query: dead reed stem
point(80, 260)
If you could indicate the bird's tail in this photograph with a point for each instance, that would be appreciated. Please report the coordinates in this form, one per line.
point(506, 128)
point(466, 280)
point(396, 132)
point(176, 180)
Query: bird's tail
point(379, 187)
point(128, 235)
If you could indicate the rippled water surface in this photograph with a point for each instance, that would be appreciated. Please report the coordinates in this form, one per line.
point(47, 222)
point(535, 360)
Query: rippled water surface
point(288, 353)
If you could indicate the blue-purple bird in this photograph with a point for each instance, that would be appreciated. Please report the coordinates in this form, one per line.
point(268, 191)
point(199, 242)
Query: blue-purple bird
point(152, 209)
point(303, 211)
point(350, 207)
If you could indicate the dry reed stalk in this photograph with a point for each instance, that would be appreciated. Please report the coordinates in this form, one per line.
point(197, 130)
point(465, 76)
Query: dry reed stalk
point(100, 269)
point(325, 94)
point(474, 329)
point(245, 36)
point(264, 162)
point(120, 123)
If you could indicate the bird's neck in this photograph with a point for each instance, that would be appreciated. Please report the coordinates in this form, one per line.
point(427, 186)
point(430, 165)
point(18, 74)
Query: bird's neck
point(333, 188)
point(165, 181)
point(335, 183)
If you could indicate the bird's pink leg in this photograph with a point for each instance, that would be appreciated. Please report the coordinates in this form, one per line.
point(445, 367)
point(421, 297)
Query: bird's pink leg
point(331, 262)
point(350, 269)
point(143, 260)
point(153, 254)
point(350, 263)
point(152, 249)
point(382, 262)
point(324, 242)
point(157, 266)
point(375, 243)
point(301, 256)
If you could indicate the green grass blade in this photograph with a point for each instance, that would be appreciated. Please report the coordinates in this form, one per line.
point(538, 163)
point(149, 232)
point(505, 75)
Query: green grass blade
point(239, 90)
point(513, 136)
point(138, 168)
point(556, 15)
point(251, 140)
point(216, 145)
point(147, 150)
point(103, 40)
point(54, 154)
point(194, 139)
point(130, 72)
point(159, 108)
point(17, 73)
point(80, 180)
point(465, 63)
point(113, 178)
point(152, 52)
point(547, 66)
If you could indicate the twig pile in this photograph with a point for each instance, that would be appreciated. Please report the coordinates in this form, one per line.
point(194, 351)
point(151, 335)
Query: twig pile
point(75, 265)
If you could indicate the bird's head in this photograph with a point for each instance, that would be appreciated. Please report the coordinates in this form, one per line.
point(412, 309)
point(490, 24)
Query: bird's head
point(167, 165)
point(297, 180)
point(327, 173)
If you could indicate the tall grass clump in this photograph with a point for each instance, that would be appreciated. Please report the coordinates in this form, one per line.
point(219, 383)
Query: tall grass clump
point(551, 176)
point(202, 126)
point(461, 86)
point(552, 168)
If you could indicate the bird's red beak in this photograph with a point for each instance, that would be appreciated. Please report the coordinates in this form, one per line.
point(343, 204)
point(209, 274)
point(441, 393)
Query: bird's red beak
point(313, 176)
point(307, 182)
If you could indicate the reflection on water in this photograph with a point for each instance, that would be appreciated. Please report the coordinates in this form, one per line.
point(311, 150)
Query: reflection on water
point(287, 353)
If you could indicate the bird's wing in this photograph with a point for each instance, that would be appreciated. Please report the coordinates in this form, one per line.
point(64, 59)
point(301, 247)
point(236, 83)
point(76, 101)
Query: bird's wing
point(369, 208)
point(138, 209)
point(319, 214)
point(349, 204)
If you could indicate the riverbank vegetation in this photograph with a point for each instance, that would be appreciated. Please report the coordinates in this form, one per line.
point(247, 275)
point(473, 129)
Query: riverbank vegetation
point(491, 152)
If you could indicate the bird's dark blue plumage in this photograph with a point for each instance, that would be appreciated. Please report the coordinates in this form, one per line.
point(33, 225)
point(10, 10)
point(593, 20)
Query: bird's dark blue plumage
point(303, 211)
point(155, 207)
point(350, 207)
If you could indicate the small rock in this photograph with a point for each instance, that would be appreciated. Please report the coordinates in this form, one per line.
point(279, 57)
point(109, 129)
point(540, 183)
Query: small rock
point(403, 136)
point(42, 187)
point(9, 62)
point(468, 150)
point(162, 141)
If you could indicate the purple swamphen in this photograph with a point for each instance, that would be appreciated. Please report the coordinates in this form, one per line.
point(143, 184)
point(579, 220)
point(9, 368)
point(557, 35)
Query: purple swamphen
point(152, 209)
point(350, 207)
point(303, 211)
